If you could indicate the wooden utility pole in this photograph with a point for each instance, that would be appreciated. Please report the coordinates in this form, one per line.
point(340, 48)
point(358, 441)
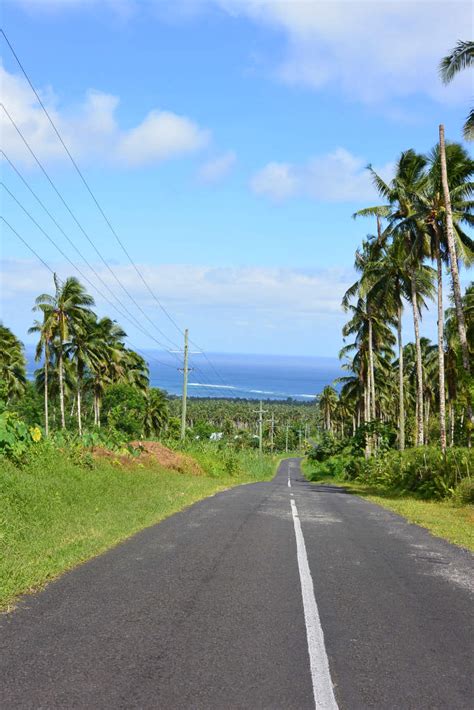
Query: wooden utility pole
point(272, 430)
point(260, 411)
point(287, 429)
point(185, 386)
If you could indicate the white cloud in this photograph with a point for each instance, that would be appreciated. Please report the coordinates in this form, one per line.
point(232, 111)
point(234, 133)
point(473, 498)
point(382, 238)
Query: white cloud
point(217, 168)
point(339, 176)
point(91, 130)
point(276, 180)
point(370, 50)
point(250, 289)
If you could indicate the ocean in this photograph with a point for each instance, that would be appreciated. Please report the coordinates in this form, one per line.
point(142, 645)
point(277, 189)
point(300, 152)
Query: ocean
point(246, 376)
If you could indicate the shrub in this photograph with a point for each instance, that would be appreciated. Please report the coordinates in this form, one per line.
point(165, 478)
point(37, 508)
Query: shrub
point(16, 437)
point(464, 492)
point(423, 470)
point(328, 446)
point(124, 408)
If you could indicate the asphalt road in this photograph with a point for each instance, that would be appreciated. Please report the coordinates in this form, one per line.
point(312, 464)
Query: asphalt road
point(265, 596)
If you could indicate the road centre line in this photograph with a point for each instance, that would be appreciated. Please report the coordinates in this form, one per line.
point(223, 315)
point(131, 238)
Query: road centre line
point(320, 675)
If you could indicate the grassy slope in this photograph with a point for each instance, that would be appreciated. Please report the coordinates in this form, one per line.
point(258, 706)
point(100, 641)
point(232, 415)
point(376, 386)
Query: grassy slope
point(55, 514)
point(442, 518)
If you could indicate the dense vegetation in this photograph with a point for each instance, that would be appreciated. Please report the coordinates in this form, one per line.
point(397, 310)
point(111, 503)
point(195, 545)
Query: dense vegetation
point(402, 418)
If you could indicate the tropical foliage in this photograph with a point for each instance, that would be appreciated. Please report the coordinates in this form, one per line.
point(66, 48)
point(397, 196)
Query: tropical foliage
point(83, 363)
point(402, 268)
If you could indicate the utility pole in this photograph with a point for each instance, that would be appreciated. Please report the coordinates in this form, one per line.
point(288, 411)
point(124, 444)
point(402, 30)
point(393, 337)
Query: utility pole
point(260, 411)
point(272, 430)
point(185, 386)
point(300, 434)
point(287, 428)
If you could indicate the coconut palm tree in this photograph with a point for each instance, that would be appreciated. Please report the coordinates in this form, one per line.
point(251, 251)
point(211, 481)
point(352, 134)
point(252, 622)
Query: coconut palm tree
point(389, 281)
point(156, 411)
point(107, 360)
point(82, 349)
point(43, 350)
point(430, 213)
point(69, 306)
point(453, 259)
point(461, 57)
point(401, 194)
point(327, 404)
point(12, 364)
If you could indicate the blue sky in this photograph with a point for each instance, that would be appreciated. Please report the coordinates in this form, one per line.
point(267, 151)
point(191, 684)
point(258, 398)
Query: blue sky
point(226, 141)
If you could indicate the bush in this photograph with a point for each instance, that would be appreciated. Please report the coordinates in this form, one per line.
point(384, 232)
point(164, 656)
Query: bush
point(464, 492)
point(425, 470)
point(124, 407)
point(16, 437)
point(328, 446)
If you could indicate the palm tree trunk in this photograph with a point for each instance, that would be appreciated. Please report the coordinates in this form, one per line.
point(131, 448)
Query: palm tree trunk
point(427, 420)
point(371, 371)
point(454, 264)
point(79, 416)
point(442, 393)
point(419, 368)
point(46, 403)
point(401, 395)
point(451, 424)
point(61, 384)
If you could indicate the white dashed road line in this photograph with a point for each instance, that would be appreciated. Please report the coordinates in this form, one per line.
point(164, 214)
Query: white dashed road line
point(320, 675)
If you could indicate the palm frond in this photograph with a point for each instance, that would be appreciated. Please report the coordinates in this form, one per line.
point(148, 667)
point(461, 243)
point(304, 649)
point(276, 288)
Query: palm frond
point(461, 57)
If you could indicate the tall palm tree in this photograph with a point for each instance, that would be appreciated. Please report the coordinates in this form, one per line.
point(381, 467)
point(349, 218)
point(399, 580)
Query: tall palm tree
point(107, 360)
point(327, 404)
point(461, 57)
point(389, 282)
point(401, 194)
point(69, 306)
point(43, 349)
point(430, 213)
point(453, 259)
point(82, 349)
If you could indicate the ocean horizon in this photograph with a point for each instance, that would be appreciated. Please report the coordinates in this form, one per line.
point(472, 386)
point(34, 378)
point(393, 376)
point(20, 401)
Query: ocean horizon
point(235, 375)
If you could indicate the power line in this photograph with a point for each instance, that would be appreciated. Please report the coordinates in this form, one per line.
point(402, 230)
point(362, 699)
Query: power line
point(130, 319)
point(86, 184)
point(96, 202)
point(91, 242)
point(26, 244)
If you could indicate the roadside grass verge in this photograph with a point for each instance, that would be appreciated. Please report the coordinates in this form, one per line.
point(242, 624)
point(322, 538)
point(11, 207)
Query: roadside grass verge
point(56, 513)
point(444, 519)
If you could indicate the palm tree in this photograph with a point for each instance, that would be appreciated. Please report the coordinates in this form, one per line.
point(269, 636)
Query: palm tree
point(453, 258)
point(43, 349)
point(389, 282)
point(401, 194)
point(327, 404)
point(67, 309)
point(156, 412)
point(107, 360)
point(430, 211)
point(461, 57)
point(82, 349)
point(12, 364)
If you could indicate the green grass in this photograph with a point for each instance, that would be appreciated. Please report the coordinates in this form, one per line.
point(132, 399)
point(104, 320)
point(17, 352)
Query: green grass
point(442, 518)
point(55, 514)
